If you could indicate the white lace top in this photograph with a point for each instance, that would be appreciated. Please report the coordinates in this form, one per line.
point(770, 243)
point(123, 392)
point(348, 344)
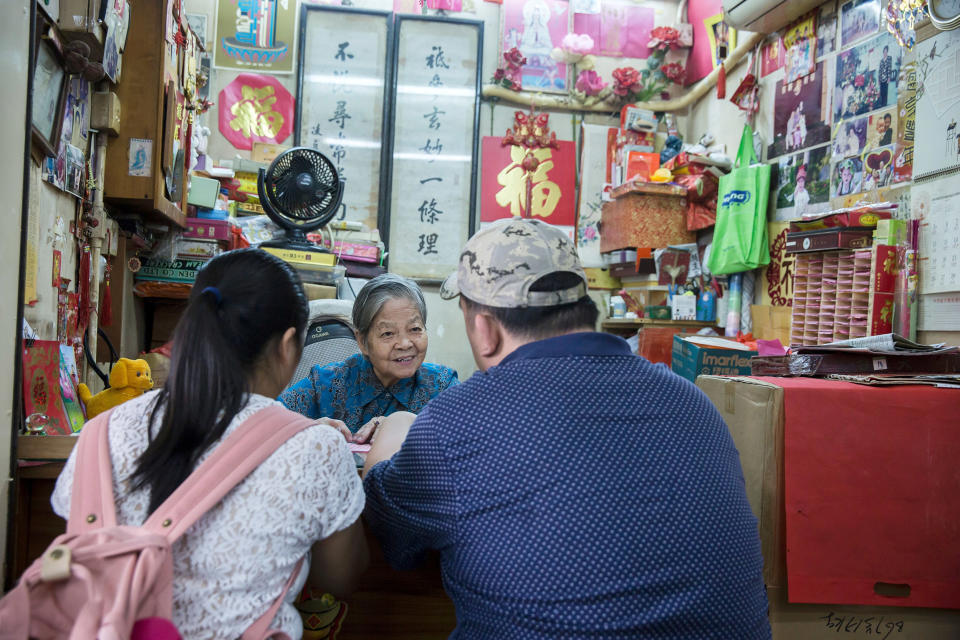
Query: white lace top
point(231, 565)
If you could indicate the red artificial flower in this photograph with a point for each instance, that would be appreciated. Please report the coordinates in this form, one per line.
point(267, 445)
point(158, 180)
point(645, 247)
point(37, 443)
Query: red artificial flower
point(674, 71)
point(624, 80)
point(516, 86)
point(514, 58)
point(663, 38)
point(499, 74)
point(859, 80)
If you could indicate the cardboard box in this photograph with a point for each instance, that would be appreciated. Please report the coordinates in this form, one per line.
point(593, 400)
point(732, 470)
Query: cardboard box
point(822, 621)
point(691, 360)
point(829, 239)
point(203, 192)
point(753, 411)
point(105, 112)
point(770, 322)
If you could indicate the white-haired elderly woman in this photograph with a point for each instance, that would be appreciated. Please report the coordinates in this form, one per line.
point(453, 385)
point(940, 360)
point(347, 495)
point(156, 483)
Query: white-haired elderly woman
point(388, 375)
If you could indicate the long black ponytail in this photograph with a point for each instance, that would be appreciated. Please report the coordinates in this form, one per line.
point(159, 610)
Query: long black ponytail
point(241, 301)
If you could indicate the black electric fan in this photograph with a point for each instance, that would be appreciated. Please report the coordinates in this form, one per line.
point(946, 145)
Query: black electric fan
point(300, 191)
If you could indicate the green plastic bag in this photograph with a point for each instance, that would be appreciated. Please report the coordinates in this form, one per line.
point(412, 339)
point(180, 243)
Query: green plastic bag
point(740, 237)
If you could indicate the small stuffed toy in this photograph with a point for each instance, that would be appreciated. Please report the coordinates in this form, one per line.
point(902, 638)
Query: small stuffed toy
point(128, 379)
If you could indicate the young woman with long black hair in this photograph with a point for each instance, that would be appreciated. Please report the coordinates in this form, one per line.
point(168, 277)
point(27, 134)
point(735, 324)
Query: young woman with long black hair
point(235, 349)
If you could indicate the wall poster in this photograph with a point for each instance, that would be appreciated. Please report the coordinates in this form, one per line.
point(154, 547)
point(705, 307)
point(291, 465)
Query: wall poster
point(867, 77)
point(593, 165)
point(801, 113)
point(535, 27)
point(255, 35)
point(343, 100)
point(937, 104)
point(435, 131)
point(803, 184)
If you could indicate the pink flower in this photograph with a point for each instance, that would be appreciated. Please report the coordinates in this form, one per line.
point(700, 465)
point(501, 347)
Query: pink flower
point(624, 80)
point(590, 83)
point(514, 58)
point(858, 81)
point(580, 44)
point(674, 71)
point(516, 86)
point(663, 38)
point(589, 233)
point(499, 75)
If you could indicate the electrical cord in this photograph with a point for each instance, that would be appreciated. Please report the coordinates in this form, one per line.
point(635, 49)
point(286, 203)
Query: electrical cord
point(114, 356)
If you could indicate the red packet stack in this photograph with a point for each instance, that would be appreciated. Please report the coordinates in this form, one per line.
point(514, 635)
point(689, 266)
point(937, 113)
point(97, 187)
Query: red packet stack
point(41, 385)
point(883, 277)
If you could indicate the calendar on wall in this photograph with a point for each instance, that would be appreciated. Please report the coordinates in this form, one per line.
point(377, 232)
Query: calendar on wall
point(936, 204)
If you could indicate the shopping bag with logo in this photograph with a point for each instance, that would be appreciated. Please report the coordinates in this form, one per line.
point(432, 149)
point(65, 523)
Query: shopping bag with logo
point(740, 236)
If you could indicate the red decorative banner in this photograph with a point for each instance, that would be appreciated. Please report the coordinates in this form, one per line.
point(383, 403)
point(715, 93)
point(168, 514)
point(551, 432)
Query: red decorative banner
point(504, 183)
point(255, 108)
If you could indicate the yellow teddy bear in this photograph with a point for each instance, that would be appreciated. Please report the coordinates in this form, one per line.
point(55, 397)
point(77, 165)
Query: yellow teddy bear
point(128, 379)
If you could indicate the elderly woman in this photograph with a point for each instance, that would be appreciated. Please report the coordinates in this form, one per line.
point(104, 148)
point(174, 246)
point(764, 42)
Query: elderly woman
point(388, 375)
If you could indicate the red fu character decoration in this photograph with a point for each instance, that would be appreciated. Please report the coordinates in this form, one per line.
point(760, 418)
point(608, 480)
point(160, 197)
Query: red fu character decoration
point(531, 131)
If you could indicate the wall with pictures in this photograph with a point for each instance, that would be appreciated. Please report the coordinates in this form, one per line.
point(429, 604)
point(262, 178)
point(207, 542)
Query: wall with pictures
point(445, 325)
point(844, 116)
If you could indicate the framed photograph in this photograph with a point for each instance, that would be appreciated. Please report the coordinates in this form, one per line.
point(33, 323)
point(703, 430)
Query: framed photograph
point(434, 144)
point(343, 107)
point(49, 92)
point(722, 37)
point(535, 27)
point(198, 22)
point(858, 19)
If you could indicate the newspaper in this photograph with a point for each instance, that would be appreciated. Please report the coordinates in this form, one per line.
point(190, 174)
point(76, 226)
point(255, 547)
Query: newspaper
point(885, 343)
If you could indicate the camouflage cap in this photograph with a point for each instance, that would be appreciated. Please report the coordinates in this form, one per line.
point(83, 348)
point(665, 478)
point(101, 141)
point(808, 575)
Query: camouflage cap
point(500, 262)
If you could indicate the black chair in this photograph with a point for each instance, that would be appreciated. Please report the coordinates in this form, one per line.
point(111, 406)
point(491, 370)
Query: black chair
point(330, 336)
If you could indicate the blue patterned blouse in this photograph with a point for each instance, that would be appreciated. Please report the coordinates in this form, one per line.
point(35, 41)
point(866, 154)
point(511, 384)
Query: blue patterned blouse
point(350, 391)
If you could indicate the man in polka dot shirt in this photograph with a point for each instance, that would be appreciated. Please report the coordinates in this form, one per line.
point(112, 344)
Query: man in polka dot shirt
point(572, 488)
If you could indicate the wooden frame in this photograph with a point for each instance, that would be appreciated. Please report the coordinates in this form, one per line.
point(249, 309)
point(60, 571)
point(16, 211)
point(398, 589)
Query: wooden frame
point(432, 197)
point(50, 82)
point(343, 109)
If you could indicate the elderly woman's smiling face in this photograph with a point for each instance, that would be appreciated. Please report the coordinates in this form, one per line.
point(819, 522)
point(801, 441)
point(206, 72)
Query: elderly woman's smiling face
point(396, 342)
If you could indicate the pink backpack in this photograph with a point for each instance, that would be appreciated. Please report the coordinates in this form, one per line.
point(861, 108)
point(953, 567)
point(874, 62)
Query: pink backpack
point(105, 581)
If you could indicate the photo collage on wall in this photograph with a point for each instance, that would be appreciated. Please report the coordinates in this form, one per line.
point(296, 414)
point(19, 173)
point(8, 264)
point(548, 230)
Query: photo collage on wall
point(847, 128)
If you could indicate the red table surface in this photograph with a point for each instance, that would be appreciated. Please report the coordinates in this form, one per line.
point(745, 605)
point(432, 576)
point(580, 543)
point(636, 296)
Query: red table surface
point(872, 492)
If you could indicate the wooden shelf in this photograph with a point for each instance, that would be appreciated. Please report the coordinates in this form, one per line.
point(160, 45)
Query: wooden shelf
point(628, 323)
point(45, 448)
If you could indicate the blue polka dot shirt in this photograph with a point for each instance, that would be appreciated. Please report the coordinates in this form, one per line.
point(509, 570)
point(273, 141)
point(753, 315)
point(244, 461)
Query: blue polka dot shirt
point(576, 490)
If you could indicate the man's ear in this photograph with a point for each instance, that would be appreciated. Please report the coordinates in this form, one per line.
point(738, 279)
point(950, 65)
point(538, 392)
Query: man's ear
point(488, 334)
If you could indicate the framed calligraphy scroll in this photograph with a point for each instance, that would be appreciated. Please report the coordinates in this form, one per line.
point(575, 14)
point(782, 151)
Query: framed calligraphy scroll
point(434, 143)
point(346, 65)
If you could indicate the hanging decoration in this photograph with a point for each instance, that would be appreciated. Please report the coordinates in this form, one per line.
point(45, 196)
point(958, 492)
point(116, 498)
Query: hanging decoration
point(531, 132)
point(255, 108)
point(902, 17)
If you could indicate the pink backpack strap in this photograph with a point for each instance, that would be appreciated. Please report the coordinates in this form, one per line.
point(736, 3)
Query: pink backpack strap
point(91, 497)
point(234, 459)
point(259, 629)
